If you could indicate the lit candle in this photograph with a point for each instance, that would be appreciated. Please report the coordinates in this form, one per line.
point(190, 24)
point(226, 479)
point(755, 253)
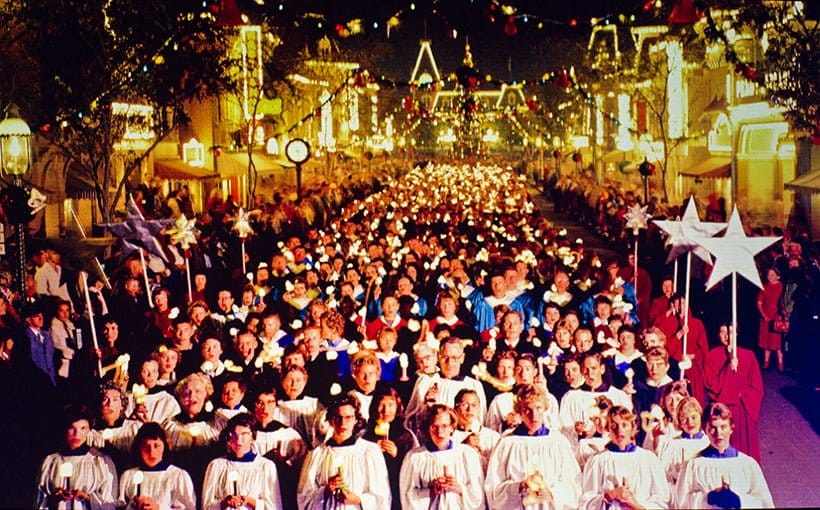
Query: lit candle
point(233, 477)
point(195, 430)
point(403, 363)
point(630, 374)
point(139, 391)
point(382, 429)
point(138, 477)
point(66, 472)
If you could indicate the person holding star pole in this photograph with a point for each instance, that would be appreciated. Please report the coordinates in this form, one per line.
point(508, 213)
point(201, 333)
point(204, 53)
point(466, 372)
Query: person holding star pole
point(682, 238)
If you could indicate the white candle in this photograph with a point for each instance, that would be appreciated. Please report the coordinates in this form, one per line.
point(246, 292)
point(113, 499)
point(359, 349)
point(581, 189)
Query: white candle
point(403, 363)
point(138, 477)
point(233, 477)
point(66, 472)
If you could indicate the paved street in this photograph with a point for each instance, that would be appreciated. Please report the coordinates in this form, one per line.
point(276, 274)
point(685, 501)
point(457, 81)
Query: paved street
point(789, 416)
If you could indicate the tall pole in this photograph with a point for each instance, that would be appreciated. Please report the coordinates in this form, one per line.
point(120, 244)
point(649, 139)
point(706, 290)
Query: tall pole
point(20, 227)
point(298, 181)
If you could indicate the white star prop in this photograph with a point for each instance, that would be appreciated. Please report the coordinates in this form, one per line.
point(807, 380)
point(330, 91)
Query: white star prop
point(241, 225)
point(682, 233)
point(734, 252)
point(183, 232)
point(637, 218)
point(36, 201)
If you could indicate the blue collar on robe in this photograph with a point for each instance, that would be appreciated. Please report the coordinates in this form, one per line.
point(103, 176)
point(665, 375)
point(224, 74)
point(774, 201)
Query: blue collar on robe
point(161, 466)
point(614, 448)
point(600, 389)
point(696, 435)
point(431, 446)
point(350, 441)
point(711, 452)
point(521, 430)
point(81, 450)
point(248, 457)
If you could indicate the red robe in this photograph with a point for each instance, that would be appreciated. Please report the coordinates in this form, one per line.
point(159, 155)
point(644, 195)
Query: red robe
point(697, 343)
point(660, 305)
point(742, 391)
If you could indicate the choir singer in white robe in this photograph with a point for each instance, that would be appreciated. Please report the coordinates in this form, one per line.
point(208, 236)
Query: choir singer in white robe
point(241, 479)
point(720, 476)
point(154, 482)
point(77, 476)
point(623, 475)
point(441, 473)
point(532, 466)
point(345, 472)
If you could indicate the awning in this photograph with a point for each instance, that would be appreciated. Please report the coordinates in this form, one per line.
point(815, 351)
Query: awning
point(178, 170)
point(808, 182)
point(236, 163)
point(711, 168)
point(79, 186)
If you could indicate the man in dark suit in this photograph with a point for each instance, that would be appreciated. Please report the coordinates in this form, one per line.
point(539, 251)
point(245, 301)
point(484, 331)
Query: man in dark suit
point(40, 345)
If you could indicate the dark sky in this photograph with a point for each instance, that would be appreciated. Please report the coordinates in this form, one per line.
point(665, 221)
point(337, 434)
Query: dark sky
point(526, 55)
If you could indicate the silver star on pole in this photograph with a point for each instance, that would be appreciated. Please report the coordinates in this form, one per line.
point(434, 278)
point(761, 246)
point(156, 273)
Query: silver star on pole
point(137, 232)
point(734, 252)
point(242, 226)
point(682, 233)
point(183, 232)
point(637, 218)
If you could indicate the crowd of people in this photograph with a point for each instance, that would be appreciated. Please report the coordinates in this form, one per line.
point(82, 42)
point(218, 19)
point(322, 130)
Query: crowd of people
point(430, 341)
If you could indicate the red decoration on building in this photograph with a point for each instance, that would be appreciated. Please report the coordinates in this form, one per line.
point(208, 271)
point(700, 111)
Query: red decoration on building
point(556, 154)
point(577, 157)
point(532, 105)
point(562, 79)
point(685, 13)
point(510, 28)
point(227, 13)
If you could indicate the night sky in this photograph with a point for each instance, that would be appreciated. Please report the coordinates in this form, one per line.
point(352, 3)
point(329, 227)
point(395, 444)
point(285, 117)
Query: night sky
point(527, 55)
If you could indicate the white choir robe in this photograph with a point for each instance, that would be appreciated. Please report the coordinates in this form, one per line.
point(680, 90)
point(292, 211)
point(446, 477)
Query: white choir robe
point(677, 451)
point(589, 446)
point(170, 488)
point(160, 406)
point(364, 403)
point(640, 469)
point(257, 479)
point(291, 441)
point(120, 438)
point(669, 432)
point(447, 391)
point(487, 439)
point(301, 415)
point(503, 404)
point(577, 405)
point(517, 457)
point(364, 472)
point(421, 466)
point(223, 415)
point(93, 473)
point(181, 438)
point(704, 474)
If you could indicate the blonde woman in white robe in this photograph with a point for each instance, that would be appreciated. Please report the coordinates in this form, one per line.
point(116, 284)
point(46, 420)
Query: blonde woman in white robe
point(154, 482)
point(441, 473)
point(532, 466)
point(720, 476)
point(687, 443)
point(623, 475)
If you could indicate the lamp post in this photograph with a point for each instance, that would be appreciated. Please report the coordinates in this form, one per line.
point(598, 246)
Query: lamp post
point(298, 151)
point(15, 156)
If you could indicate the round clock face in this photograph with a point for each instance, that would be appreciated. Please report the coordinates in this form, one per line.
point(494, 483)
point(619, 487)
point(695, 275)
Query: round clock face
point(297, 150)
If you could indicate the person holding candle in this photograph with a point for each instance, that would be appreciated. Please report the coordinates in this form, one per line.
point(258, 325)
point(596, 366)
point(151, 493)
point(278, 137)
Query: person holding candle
point(280, 443)
point(241, 479)
point(151, 400)
point(77, 473)
point(720, 476)
point(386, 428)
point(469, 430)
point(532, 465)
point(113, 432)
point(345, 472)
point(687, 442)
point(441, 473)
point(154, 483)
point(624, 475)
point(501, 414)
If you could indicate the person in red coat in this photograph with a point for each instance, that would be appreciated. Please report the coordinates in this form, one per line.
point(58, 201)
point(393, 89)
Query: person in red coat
point(736, 382)
point(697, 343)
point(768, 304)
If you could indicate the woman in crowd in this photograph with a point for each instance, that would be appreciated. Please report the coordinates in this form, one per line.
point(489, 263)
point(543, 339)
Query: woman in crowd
point(155, 482)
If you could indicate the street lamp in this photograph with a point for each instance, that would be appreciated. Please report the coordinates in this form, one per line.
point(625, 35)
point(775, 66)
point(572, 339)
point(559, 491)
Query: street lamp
point(15, 156)
point(298, 151)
